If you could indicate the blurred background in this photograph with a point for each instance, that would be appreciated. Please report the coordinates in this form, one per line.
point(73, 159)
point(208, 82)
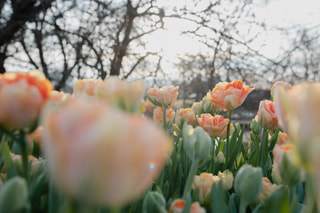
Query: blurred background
point(188, 43)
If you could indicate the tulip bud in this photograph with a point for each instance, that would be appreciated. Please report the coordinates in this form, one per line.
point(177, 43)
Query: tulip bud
point(154, 202)
point(196, 107)
point(247, 183)
point(290, 173)
point(14, 195)
point(204, 183)
point(220, 158)
point(196, 143)
point(255, 127)
point(226, 178)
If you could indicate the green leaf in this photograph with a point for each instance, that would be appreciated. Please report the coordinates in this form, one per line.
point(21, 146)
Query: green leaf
point(11, 169)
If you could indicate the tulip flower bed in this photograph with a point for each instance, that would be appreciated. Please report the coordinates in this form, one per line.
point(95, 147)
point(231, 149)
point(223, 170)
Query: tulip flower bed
point(95, 151)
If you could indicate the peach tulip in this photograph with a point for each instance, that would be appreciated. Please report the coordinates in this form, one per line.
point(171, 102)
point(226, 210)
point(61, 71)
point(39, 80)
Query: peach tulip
point(22, 96)
point(267, 189)
point(267, 116)
point(102, 155)
point(85, 86)
point(204, 183)
point(158, 115)
point(178, 204)
point(229, 96)
point(215, 126)
point(283, 138)
point(35, 135)
point(148, 106)
point(186, 115)
point(282, 84)
point(165, 96)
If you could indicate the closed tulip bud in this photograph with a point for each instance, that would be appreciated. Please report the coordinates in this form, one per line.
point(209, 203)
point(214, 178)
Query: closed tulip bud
point(290, 173)
point(267, 116)
point(22, 96)
point(154, 202)
point(14, 195)
point(207, 106)
point(247, 183)
point(227, 179)
point(196, 143)
point(196, 107)
point(220, 158)
point(178, 205)
point(255, 127)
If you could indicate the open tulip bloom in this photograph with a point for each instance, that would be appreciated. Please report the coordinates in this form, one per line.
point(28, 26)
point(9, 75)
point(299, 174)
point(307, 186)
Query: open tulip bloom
point(94, 151)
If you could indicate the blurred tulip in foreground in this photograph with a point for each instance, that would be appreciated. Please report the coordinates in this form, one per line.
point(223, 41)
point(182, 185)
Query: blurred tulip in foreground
point(22, 96)
point(100, 154)
point(124, 95)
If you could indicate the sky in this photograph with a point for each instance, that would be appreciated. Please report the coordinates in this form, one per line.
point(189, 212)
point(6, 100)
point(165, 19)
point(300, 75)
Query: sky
point(287, 14)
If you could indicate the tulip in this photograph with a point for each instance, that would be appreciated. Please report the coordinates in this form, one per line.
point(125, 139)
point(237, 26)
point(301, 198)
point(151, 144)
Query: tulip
point(196, 107)
point(102, 155)
point(178, 204)
point(204, 183)
point(215, 126)
point(248, 185)
point(35, 135)
point(185, 116)
point(163, 97)
point(207, 106)
point(22, 96)
point(266, 115)
point(122, 94)
point(282, 84)
point(283, 138)
point(85, 86)
point(267, 189)
point(158, 115)
point(226, 178)
point(229, 96)
point(59, 98)
point(148, 106)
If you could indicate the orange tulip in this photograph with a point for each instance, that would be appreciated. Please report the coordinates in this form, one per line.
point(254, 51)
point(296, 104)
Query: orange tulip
point(85, 86)
point(165, 96)
point(178, 204)
point(22, 96)
point(215, 126)
point(102, 155)
point(35, 135)
point(229, 96)
point(267, 116)
point(158, 115)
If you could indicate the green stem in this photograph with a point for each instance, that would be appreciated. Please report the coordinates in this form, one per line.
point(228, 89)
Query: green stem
point(115, 210)
point(25, 156)
point(211, 168)
point(192, 173)
point(243, 207)
point(228, 138)
point(262, 150)
point(164, 114)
